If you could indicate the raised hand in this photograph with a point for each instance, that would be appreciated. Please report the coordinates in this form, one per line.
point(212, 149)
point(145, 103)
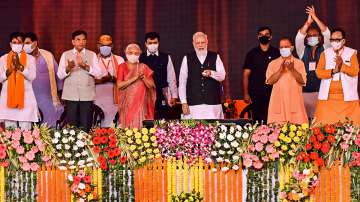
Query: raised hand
point(311, 11)
point(70, 66)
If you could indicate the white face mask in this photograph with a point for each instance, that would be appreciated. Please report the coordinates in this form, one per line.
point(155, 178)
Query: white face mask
point(17, 48)
point(105, 50)
point(133, 58)
point(152, 48)
point(285, 52)
point(28, 48)
point(313, 40)
point(336, 45)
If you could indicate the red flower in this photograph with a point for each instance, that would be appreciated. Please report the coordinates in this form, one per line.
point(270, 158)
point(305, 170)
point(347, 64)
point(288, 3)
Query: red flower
point(307, 159)
point(97, 140)
point(123, 159)
point(87, 179)
point(228, 101)
point(103, 166)
point(97, 131)
point(317, 145)
point(111, 131)
point(308, 147)
point(101, 159)
point(117, 151)
point(319, 162)
point(113, 137)
point(97, 149)
point(328, 129)
point(103, 131)
point(299, 158)
point(331, 139)
point(113, 144)
point(77, 180)
point(111, 154)
point(104, 140)
point(320, 137)
point(316, 131)
point(312, 138)
point(112, 161)
point(325, 147)
point(314, 156)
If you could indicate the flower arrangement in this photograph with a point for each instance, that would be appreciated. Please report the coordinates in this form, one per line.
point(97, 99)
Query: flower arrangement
point(261, 148)
point(25, 148)
point(81, 186)
point(290, 138)
point(190, 140)
point(142, 143)
point(187, 197)
point(229, 108)
point(107, 149)
point(72, 148)
point(356, 154)
point(230, 144)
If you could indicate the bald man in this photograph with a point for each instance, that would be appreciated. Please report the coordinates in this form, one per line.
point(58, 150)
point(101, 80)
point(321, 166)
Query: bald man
point(106, 93)
point(200, 88)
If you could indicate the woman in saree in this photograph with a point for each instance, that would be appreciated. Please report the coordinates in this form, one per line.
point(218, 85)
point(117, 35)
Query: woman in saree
point(137, 90)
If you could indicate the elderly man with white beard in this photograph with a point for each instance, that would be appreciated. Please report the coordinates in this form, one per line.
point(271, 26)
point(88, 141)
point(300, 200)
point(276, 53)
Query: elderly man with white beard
point(200, 88)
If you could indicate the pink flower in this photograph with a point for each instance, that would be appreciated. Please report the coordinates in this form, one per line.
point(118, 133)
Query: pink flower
point(34, 166)
point(344, 146)
point(259, 146)
point(16, 135)
point(251, 148)
point(275, 155)
point(254, 157)
point(8, 134)
point(270, 149)
point(15, 144)
point(273, 137)
point(36, 133)
point(81, 173)
point(28, 139)
point(247, 163)
point(25, 166)
point(256, 137)
point(265, 158)
point(45, 158)
point(346, 137)
point(74, 189)
point(34, 149)
point(264, 139)
point(258, 164)
point(20, 150)
point(2, 147)
point(41, 147)
point(22, 159)
point(30, 155)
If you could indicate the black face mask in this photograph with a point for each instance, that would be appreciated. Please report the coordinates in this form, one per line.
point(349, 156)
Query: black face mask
point(264, 40)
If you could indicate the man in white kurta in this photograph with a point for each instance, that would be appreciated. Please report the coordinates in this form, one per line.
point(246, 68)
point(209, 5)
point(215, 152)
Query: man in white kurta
point(106, 92)
point(21, 115)
point(200, 80)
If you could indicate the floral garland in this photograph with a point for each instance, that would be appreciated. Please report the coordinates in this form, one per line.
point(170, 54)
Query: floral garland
point(187, 197)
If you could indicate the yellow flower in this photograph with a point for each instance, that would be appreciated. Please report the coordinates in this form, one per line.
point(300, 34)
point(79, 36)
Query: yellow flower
point(292, 134)
point(145, 138)
point(157, 155)
point(152, 130)
point(149, 151)
point(281, 136)
point(291, 153)
point(287, 139)
point(284, 129)
point(296, 139)
point(277, 144)
point(284, 147)
point(135, 130)
point(151, 156)
point(153, 138)
point(142, 159)
point(140, 147)
point(226, 104)
point(147, 145)
point(142, 153)
point(305, 126)
point(129, 132)
point(132, 147)
point(137, 135)
point(293, 127)
point(138, 141)
point(293, 146)
point(144, 131)
point(135, 154)
point(156, 151)
point(299, 133)
point(154, 144)
point(130, 141)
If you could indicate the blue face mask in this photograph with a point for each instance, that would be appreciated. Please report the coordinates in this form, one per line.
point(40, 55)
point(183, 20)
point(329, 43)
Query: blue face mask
point(313, 40)
point(105, 50)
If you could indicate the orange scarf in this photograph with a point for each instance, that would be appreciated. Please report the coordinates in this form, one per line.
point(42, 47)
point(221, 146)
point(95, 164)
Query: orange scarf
point(15, 84)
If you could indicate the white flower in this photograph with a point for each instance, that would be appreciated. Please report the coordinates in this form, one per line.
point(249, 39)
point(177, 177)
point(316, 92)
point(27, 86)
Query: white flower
point(77, 155)
point(75, 148)
point(80, 136)
point(57, 134)
point(58, 146)
point(230, 152)
point(213, 153)
point(67, 155)
point(59, 155)
point(226, 145)
point(72, 132)
point(235, 167)
point(71, 163)
point(55, 141)
point(81, 200)
point(65, 140)
point(65, 131)
point(81, 185)
point(222, 136)
point(224, 169)
point(80, 143)
point(219, 159)
point(71, 139)
point(84, 153)
point(221, 152)
point(62, 167)
point(67, 147)
point(230, 137)
point(89, 159)
point(234, 144)
point(217, 144)
point(232, 129)
point(223, 128)
point(62, 162)
point(208, 160)
point(227, 160)
point(235, 158)
point(239, 150)
point(82, 166)
point(238, 134)
point(81, 162)
point(70, 177)
point(306, 171)
point(238, 127)
point(89, 164)
point(72, 167)
point(245, 136)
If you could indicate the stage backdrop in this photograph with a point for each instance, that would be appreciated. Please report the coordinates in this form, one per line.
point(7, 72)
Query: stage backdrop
point(230, 25)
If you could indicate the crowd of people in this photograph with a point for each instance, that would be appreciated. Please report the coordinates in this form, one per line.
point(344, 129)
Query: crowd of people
point(320, 85)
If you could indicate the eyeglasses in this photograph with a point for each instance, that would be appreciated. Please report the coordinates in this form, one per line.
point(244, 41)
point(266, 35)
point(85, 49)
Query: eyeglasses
point(335, 40)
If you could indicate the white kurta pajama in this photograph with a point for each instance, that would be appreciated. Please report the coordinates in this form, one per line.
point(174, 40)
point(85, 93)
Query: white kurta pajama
point(30, 111)
point(105, 91)
point(202, 111)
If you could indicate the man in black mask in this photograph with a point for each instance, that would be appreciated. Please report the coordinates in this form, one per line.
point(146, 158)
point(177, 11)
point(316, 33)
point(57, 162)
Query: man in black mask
point(255, 90)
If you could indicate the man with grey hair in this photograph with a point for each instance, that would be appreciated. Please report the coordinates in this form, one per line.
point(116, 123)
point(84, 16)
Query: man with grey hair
point(200, 88)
